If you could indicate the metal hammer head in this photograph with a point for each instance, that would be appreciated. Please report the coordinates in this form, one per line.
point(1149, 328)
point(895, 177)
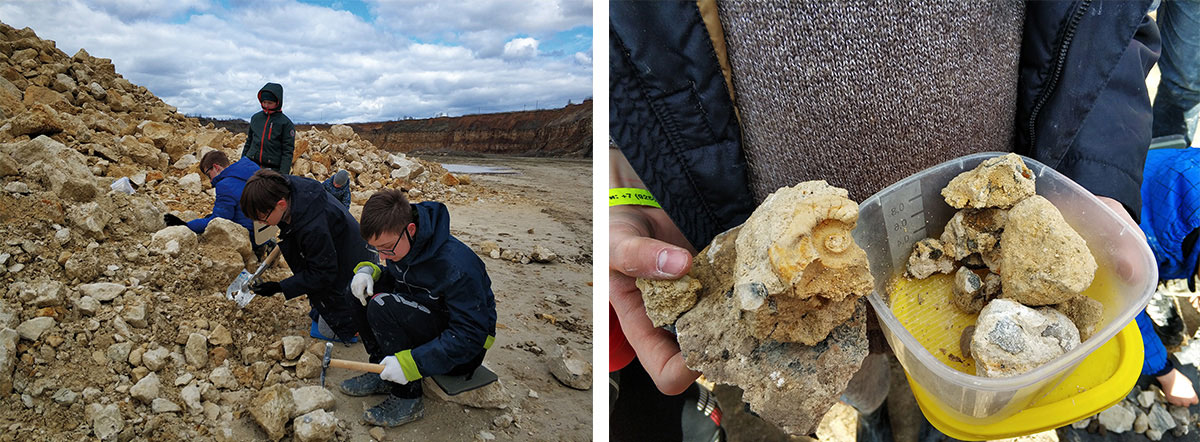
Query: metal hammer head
point(325, 361)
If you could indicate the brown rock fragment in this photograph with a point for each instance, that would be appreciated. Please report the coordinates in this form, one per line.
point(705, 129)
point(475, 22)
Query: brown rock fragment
point(666, 300)
point(1045, 260)
point(973, 231)
point(1085, 312)
point(997, 182)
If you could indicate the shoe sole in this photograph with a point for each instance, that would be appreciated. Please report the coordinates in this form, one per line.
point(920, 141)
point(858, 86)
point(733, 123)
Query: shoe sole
point(371, 393)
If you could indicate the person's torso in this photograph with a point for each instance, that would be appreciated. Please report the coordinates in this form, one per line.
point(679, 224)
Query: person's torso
point(316, 215)
point(267, 132)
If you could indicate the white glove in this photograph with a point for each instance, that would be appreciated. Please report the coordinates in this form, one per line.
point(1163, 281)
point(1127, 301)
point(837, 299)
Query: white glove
point(363, 286)
point(392, 371)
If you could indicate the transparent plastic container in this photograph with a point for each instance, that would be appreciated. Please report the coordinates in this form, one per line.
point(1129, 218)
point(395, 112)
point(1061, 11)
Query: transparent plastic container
point(891, 221)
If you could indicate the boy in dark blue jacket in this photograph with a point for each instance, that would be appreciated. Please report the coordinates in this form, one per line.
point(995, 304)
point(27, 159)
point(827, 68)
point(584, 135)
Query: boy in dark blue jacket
point(431, 308)
point(320, 241)
point(271, 139)
point(228, 180)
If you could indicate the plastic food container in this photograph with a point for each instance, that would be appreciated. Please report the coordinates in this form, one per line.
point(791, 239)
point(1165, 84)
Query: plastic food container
point(891, 221)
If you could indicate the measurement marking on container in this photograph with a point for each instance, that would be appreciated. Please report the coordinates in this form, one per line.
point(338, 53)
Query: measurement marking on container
point(904, 219)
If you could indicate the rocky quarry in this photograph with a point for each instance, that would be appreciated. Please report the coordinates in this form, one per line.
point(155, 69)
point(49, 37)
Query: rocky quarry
point(775, 306)
point(1017, 264)
point(115, 327)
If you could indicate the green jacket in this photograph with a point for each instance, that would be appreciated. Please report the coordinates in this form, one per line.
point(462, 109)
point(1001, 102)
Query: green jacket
point(272, 136)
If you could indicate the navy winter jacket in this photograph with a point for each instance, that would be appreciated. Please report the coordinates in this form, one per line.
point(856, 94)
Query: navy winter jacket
point(1082, 104)
point(229, 184)
point(320, 242)
point(443, 274)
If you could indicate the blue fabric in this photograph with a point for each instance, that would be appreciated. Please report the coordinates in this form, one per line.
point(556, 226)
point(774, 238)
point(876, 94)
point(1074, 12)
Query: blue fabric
point(444, 275)
point(1155, 362)
point(229, 184)
point(1171, 209)
point(342, 195)
point(1177, 102)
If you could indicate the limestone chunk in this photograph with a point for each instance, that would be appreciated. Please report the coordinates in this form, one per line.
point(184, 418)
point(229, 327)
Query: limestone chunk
point(928, 257)
point(997, 182)
point(779, 311)
point(666, 300)
point(1045, 260)
point(272, 408)
point(1085, 312)
point(973, 231)
point(1011, 339)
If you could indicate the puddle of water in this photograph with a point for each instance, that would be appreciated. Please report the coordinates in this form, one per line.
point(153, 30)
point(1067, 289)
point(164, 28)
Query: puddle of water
point(471, 168)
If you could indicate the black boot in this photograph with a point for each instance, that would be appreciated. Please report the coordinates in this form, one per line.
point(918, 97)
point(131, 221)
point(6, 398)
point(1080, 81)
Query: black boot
point(395, 411)
point(365, 384)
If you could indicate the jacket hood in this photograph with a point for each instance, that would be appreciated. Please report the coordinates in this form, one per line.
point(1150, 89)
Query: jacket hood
point(433, 229)
point(274, 88)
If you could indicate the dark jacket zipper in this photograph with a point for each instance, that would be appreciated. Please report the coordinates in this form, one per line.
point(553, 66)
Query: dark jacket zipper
point(263, 141)
point(1058, 67)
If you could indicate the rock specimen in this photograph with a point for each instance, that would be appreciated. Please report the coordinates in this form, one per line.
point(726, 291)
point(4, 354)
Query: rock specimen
point(779, 310)
point(272, 409)
point(1085, 312)
point(666, 300)
point(968, 291)
point(997, 182)
point(973, 231)
point(1011, 338)
point(928, 257)
point(1045, 260)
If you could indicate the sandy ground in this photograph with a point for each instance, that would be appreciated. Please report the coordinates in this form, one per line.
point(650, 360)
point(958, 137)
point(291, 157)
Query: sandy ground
point(548, 202)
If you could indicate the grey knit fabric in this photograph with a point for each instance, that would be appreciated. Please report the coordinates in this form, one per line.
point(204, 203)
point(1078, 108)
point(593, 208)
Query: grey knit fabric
point(862, 94)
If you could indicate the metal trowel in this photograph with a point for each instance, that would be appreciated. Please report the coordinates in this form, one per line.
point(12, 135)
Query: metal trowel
point(239, 291)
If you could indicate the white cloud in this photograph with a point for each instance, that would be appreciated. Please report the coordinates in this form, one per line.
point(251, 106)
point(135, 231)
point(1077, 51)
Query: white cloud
point(131, 10)
point(583, 58)
point(521, 48)
point(334, 66)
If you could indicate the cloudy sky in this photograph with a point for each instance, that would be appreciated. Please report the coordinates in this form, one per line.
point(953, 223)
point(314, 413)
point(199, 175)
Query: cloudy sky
point(338, 60)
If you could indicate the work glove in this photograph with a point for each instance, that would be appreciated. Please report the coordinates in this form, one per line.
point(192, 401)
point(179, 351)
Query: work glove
point(363, 285)
point(266, 288)
point(173, 220)
point(392, 371)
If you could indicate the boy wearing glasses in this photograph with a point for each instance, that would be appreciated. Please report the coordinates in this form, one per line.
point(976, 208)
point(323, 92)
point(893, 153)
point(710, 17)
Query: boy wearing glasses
point(431, 308)
point(320, 241)
point(228, 181)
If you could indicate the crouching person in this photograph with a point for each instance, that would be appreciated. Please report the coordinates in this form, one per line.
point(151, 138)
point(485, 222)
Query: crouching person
point(319, 239)
point(431, 307)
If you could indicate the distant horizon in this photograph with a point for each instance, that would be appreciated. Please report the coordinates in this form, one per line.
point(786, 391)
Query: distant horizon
point(298, 123)
point(338, 61)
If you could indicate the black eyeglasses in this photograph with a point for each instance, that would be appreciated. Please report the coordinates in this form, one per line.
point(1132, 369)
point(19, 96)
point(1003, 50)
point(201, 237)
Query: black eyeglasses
point(391, 251)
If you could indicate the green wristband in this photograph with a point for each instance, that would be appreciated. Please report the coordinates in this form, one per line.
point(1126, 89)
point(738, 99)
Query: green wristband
point(621, 196)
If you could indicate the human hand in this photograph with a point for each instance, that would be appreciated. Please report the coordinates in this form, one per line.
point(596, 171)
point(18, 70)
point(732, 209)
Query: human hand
point(1178, 389)
point(362, 286)
point(644, 243)
point(173, 220)
point(1125, 267)
point(266, 288)
point(392, 371)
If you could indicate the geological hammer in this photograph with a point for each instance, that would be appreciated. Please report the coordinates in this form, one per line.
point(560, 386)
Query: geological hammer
point(328, 361)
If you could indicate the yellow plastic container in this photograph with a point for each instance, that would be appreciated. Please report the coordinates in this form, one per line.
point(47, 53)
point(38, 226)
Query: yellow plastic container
point(1102, 380)
point(924, 331)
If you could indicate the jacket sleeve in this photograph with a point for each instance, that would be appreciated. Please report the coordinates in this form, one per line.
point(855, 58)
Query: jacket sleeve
point(1110, 150)
point(287, 146)
point(249, 138)
point(463, 339)
point(319, 270)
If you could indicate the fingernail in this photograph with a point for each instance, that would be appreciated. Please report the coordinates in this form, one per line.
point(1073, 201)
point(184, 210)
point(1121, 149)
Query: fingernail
point(671, 262)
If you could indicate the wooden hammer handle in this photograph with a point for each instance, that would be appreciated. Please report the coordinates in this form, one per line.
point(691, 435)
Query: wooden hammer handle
point(355, 365)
